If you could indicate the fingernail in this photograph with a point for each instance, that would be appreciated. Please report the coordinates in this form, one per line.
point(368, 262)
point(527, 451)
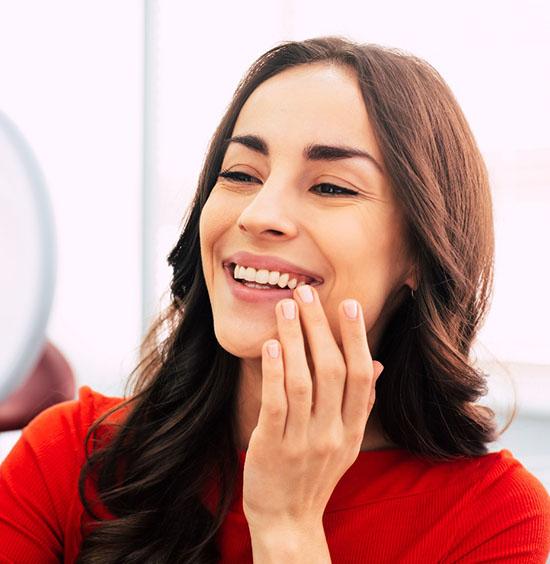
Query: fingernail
point(273, 349)
point(289, 310)
point(350, 307)
point(305, 293)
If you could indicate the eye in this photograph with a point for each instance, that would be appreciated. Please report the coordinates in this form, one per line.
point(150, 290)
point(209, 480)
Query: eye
point(332, 187)
point(237, 176)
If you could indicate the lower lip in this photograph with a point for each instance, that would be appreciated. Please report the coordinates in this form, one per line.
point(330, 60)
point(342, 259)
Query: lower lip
point(254, 295)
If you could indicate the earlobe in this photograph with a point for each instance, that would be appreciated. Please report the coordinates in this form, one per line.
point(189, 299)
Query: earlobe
point(411, 279)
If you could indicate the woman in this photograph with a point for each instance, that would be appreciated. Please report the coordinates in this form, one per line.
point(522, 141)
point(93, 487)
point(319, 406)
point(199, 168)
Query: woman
point(343, 214)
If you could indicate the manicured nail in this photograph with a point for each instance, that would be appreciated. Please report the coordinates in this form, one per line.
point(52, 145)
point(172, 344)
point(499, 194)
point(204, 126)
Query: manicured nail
point(289, 309)
point(305, 293)
point(273, 349)
point(350, 307)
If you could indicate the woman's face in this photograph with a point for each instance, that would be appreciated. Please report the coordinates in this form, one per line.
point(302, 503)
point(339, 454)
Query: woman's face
point(280, 205)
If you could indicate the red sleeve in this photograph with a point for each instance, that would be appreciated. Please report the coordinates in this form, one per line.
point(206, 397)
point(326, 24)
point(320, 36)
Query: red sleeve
point(509, 521)
point(38, 481)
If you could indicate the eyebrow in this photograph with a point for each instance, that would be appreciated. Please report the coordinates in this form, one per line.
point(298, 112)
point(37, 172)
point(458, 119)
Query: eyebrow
point(311, 152)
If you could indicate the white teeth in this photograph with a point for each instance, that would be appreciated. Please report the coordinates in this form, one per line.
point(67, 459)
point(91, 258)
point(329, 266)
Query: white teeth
point(264, 276)
point(283, 280)
point(250, 275)
point(274, 277)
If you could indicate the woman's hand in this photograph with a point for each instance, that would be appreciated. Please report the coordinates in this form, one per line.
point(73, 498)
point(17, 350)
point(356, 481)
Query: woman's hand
point(297, 455)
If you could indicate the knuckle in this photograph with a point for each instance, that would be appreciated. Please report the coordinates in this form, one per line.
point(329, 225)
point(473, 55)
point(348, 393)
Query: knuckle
point(274, 410)
point(300, 388)
point(328, 444)
point(360, 376)
point(295, 453)
point(356, 435)
point(354, 450)
point(334, 369)
point(324, 448)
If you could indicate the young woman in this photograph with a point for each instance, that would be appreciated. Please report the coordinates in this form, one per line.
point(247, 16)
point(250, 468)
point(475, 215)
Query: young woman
point(343, 214)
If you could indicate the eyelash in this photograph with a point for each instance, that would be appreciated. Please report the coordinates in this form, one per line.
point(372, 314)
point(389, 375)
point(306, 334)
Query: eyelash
point(232, 176)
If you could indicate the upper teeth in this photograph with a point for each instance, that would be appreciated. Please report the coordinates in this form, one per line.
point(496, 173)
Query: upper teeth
point(272, 277)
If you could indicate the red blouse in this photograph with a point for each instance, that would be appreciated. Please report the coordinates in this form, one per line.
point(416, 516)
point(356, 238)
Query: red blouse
point(390, 506)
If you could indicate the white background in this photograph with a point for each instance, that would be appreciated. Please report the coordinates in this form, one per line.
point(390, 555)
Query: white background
point(72, 78)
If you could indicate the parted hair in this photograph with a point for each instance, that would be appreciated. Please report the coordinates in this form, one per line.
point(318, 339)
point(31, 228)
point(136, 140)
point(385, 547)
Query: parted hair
point(179, 426)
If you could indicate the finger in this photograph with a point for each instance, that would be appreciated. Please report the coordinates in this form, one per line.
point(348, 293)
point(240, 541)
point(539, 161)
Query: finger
point(297, 377)
point(360, 369)
point(274, 405)
point(329, 372)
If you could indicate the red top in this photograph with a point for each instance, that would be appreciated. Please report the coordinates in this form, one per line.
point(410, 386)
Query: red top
point(390, 506)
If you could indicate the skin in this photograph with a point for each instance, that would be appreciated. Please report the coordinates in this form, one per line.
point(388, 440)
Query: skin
point(356, 243)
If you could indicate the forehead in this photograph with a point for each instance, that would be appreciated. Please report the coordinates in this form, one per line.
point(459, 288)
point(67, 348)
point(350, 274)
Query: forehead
point(313, 103)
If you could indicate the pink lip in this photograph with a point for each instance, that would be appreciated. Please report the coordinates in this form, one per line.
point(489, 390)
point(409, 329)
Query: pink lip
point(252, 295)
point(270, 263)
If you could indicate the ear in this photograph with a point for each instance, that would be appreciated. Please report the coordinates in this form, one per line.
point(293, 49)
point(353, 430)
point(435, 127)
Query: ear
point(411, 277)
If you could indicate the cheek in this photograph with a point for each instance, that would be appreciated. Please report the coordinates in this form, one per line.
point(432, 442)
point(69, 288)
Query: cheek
point(212, 221)
point(215, 220)
point(204, 233)
point(368, 247)
point(208, 228)
point(364, 262)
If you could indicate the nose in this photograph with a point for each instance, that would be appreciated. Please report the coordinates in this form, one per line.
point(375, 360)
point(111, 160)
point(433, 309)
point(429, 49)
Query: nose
point(272, 211)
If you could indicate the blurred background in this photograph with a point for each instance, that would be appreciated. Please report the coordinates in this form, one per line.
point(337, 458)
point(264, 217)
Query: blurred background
point(118, 101)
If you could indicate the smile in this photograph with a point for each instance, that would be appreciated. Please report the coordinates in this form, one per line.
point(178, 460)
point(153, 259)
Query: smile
point(254, 292)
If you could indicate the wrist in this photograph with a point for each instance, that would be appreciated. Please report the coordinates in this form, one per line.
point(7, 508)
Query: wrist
point(289, 543)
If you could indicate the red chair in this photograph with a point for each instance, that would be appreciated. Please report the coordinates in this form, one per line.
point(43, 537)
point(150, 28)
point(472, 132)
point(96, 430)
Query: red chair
point(52, 381)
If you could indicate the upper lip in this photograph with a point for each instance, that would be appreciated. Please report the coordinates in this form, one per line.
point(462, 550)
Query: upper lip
point(269, 263)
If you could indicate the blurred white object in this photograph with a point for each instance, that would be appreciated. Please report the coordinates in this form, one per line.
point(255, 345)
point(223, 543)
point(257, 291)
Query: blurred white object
point(28, 258)
point(7, 442)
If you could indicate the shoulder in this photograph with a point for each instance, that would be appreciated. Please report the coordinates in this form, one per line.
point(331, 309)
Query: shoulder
point(39, 478)
point(504, 505)
point(502, 477)
point(499, 481)
point(58, 434)
point(482, 476)
point(67, 423)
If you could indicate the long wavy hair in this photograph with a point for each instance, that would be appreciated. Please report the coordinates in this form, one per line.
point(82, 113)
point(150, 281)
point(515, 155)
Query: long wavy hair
point(179, 427)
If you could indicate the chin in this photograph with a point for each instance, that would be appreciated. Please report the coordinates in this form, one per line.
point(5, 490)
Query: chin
point(254, 351)
point(244, 340)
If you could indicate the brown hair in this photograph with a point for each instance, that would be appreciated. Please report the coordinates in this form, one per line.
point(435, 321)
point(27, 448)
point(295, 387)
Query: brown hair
point(181, 428)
